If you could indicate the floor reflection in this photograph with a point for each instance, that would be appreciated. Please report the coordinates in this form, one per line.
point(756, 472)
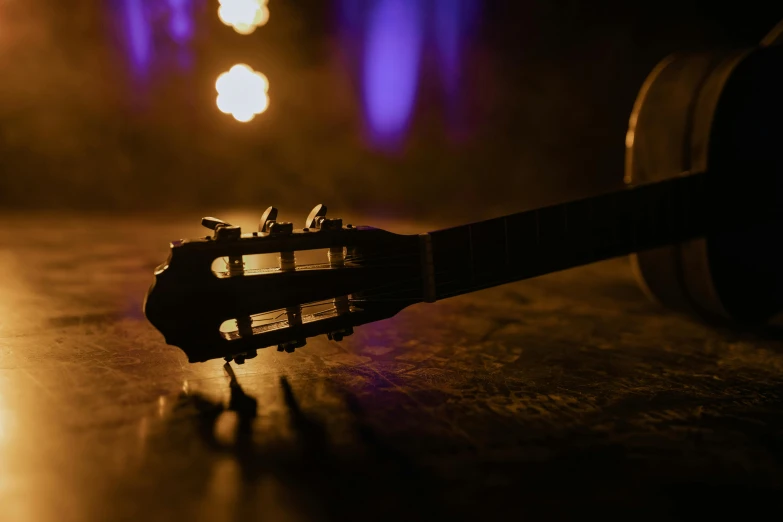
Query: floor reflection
point(306, 477)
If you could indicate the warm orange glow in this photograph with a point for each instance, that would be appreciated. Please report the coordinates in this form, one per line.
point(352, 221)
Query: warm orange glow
point(242, 92)
point(243, 15)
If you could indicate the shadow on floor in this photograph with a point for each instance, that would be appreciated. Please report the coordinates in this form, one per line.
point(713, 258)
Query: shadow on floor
point(377, 483)
point(531, 472)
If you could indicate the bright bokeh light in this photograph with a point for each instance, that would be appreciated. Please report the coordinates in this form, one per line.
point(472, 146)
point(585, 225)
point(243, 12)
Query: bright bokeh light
point(242, 92)
point(392, 55)
point(139, 35)
point(243, 15)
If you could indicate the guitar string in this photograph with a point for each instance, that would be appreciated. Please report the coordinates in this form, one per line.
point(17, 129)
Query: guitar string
point(376, 297)
point(349, 259)
point(369, 298)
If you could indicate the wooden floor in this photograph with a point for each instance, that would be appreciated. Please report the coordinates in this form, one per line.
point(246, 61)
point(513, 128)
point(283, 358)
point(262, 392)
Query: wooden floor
point(565, 397)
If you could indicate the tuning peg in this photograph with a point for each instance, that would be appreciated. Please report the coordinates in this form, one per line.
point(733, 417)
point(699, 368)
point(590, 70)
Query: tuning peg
point(222, 229)
point(212, 223)
point(281, 228)
point(291, 346)
point(339, 334)
point(269, 217)
point(318, 212)
point(241, 357)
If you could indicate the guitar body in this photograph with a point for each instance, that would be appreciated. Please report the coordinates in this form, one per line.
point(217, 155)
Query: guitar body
point(720, 113)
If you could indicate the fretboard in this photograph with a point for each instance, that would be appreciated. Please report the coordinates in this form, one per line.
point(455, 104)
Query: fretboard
point(537, 242)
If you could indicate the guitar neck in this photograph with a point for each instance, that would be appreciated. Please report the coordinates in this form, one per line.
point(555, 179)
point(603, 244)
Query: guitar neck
point(528, 244)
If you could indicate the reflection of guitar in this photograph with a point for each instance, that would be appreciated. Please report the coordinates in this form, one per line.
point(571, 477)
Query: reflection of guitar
point(703, 212)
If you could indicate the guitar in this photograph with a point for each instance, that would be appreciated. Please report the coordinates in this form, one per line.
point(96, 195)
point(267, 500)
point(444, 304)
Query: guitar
point(701, 216)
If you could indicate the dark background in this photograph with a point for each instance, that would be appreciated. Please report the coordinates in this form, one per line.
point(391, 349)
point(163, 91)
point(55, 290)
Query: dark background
point(548, 88)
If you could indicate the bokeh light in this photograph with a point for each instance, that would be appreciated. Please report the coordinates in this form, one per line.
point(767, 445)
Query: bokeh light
point(244, 15)
point(242, 92)
point(392, 55)
point(139, 35)
point(181, 26)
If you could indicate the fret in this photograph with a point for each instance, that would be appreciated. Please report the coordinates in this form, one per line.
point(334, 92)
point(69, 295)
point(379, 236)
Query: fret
point(536, 242)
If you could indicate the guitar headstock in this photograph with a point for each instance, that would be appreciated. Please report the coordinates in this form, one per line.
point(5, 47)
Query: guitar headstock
point(212, 299)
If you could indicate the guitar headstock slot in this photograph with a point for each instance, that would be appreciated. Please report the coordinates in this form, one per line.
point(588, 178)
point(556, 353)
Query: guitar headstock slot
point(257, 324)
point(271, 263)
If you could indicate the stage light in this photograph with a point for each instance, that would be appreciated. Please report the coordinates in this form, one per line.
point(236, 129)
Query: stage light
point(242, 92)
point(138, 35)
point(392, 55)
point(243, 15)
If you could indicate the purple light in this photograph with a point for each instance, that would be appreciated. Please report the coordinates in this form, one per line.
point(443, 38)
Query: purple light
point(350, 13)
point(180, 23)
point(448, 29)
point(180, 28)
point(350, 18)
point(391, 67)
point(453, 20)
point(139, 35)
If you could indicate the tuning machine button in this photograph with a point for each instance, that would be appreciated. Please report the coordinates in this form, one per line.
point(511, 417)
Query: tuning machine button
point(212, 223)
point(223, 230)
point(268, 218)
point(268, 224)
point(318, 220)
point(316, 215)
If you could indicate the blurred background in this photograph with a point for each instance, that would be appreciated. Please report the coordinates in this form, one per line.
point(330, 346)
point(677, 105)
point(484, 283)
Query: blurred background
point(439, 109)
